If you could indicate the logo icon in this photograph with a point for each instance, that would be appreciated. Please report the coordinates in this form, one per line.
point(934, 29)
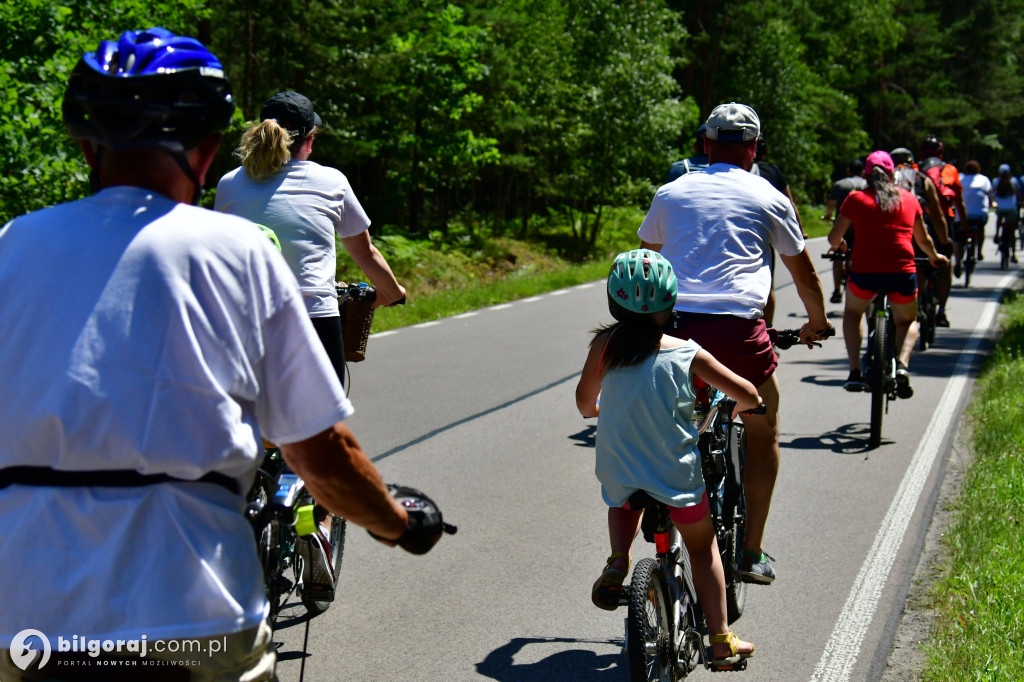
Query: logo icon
point(22, 652)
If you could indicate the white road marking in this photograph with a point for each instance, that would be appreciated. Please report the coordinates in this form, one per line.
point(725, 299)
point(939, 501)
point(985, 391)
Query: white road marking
point(843, 646)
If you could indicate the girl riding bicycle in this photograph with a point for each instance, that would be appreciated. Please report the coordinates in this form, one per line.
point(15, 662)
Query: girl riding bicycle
point(645, 437)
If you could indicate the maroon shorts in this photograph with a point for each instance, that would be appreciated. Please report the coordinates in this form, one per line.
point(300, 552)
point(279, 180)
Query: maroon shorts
point(740, 344)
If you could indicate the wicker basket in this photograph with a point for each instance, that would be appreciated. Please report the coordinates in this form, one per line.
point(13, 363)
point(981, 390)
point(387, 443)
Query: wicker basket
point(355, 329)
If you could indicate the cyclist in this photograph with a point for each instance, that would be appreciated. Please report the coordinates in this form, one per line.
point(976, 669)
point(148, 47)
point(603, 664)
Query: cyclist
point(699, 160)
point(645, 437)
point(977, 198)
point(854, 180)
point(306, 204)
point(889, 219)
point(172, 338)
point(1006, 195)
point(910, 178)
point(716, 229)
point(946, 178)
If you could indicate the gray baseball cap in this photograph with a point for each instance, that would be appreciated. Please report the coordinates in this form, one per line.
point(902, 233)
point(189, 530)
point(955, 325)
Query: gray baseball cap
point(733, 122)
point(292, 111)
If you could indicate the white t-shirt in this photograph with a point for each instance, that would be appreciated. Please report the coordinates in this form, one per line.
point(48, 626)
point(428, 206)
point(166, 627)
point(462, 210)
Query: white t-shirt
point(144, 334)
point(716, 228)
point(977, 190)
point(305, 204)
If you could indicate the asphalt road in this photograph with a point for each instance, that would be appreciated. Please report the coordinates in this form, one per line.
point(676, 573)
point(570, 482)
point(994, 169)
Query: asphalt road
point(478, 411)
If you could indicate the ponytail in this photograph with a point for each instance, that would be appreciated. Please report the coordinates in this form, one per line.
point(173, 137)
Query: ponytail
point(265, 148)
point(887, 194)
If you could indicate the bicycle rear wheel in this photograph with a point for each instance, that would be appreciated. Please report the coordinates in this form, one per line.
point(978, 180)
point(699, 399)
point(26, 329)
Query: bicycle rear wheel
point(649, 626)
point(270, 558)
point(878, 378)
point(730, 536)
point(969, 263)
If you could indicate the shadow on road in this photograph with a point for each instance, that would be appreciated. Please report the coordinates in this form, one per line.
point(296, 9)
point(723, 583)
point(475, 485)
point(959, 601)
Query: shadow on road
point(849, 439)
point(574, 664)
point(587, 437)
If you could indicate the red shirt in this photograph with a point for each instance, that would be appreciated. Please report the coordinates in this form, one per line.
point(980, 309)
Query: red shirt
point(885, 241)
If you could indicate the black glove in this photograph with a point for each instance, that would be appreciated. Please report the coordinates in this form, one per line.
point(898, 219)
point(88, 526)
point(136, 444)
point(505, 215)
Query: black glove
point(426, 524)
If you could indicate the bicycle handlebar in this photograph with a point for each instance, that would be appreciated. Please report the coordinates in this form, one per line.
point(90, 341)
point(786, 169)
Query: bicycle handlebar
point(362, 292)
point(787, 338)
point(836, 255)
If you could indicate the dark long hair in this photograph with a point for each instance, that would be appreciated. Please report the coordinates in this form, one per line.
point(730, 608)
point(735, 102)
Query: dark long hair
point(887, 194)
point(631, 338)
point(1005, 186)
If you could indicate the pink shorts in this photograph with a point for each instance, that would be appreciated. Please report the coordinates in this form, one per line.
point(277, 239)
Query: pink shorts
point(684, 516)
point(740, 344)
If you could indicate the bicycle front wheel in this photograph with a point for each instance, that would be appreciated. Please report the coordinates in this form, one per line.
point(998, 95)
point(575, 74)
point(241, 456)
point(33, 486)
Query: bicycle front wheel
point(730, 531)
point(649, 626)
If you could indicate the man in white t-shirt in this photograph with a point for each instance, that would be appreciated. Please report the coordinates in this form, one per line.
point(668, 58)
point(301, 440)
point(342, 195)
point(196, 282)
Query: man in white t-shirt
point(149, 346)
point(717, 228)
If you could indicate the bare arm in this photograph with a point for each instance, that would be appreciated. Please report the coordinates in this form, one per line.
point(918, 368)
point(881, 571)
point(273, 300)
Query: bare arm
point(924, 240)
point(839, 228)
point(589, 387)
point(340, 477)
point(377, 270)
point(725, 380)
point(808, 286)
point(830, 207)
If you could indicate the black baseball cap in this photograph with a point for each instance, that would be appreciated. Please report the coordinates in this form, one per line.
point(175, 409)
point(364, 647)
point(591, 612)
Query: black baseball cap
point(292, 111)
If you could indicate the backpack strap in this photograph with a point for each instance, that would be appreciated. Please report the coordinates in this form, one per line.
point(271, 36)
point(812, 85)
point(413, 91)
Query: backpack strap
point(112, 478)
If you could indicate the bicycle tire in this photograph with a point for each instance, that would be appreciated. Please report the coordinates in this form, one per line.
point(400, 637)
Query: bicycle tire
point(649, 626)
point(270, 558)
point(730, 536)
point(336, 538)
point(968, 264)
point(879, 369)
point(1005, 246)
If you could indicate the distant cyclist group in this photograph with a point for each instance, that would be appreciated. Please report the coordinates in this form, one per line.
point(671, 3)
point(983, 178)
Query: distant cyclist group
point(175, 339)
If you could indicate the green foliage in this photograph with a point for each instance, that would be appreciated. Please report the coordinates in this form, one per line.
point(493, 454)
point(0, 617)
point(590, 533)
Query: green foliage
point(40, 42)
point(980, 593)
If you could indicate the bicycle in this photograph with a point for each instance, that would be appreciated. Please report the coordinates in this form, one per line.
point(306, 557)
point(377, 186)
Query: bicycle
point(879, 364)
point(969, 256)
point(1006, 234)
point(927, 302)
point(665, 625)
point(283, 516)
point(842, 258)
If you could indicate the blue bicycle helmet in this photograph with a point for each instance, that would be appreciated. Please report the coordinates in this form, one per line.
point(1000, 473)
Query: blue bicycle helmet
point(151, 88)
point(642, 281)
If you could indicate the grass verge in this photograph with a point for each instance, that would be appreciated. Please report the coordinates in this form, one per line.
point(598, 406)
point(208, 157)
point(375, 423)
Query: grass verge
point(979, 596)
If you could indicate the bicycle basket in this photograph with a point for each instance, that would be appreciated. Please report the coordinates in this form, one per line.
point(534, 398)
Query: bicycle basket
point(356, 318)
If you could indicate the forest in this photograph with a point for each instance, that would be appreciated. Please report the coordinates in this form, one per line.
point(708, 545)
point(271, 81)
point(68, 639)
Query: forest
point(494, 115)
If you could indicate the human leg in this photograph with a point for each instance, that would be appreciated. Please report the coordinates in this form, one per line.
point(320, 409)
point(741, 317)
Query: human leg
point(762, 465)
point(623, 525)
point(709, 582)
point(329, 331)
point(856, 307)
point(905, 316)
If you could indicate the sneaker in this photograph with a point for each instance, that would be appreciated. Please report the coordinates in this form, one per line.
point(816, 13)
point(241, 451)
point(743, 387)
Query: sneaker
point(903, 388)
point(317, 567)
point(1013, 259)
point(837, 297)
point(854, 383)
point(755, 568)
point(941, 320)
point(956, 270)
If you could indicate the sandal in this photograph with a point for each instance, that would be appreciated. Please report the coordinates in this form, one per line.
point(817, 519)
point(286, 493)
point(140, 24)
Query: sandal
point(608, 588)
point(735, 655)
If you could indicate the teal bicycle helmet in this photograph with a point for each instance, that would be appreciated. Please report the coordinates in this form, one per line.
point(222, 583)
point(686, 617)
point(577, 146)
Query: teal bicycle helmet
point(642, 281)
